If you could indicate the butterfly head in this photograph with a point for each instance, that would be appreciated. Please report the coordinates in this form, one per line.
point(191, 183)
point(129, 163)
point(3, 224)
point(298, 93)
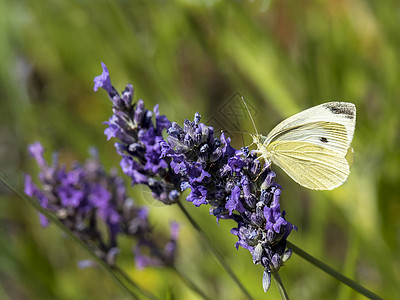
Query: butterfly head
point(258, 140)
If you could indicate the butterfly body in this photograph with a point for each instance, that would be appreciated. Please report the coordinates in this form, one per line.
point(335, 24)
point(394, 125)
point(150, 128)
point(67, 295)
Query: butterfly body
point(311, 146)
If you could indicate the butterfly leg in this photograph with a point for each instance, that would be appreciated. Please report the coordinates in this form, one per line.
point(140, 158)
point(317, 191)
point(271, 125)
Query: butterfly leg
point(267, 164)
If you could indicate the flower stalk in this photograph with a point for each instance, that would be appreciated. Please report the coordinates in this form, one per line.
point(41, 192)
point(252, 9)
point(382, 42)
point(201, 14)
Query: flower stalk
point(100, 262)
point(332, 272)
point(279, 285)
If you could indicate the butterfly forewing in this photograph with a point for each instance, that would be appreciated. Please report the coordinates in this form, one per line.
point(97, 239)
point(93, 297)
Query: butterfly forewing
point(343, 113)
point(327, 134)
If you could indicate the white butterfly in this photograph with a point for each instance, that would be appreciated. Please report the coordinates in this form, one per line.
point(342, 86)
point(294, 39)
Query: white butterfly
point(311, 146)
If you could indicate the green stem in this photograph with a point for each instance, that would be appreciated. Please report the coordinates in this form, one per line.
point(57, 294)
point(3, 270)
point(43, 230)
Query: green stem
point(324, 267)
point(146, 293)
point(189, 282)
point(7, 182)
point(214, 250)
point(280, 286)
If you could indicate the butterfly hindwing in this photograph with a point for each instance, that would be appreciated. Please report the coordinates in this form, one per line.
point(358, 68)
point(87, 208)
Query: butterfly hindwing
point(310, 165)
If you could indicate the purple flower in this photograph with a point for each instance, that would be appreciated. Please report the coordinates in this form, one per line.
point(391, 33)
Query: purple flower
point(36, 150)
point(103, 80)
point(227, 150)
point(234, 202)
point(70, 196)
point(274, 219)
point(29, 187)
point(197, 174)
point(87, 199)
point(161, 121)
point(198, 195)
point(235, 163)
point(240, 233)
point(99, 196)
point(113, 130)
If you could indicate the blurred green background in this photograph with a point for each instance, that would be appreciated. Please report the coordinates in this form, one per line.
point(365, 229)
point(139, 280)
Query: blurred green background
point(282, 56)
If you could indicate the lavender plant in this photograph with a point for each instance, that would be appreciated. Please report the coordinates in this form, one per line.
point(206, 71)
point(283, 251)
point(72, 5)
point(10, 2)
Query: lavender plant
point(231, 181)
point(86, 199)
point(94, 206)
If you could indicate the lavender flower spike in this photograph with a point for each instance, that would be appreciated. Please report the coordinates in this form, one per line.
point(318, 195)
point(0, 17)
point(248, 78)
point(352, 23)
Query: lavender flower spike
point(231, 181)
point(140, 142)
point(87, 199)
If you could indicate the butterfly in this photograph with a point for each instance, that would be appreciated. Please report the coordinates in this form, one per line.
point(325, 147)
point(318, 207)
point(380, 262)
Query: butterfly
point(312, 146)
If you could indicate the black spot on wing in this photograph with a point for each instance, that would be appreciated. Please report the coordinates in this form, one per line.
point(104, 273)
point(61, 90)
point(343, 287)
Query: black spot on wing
point(323, 139)
point(342, 109)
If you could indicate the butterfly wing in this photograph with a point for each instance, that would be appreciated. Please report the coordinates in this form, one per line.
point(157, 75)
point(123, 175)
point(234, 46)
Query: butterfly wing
point(311, 146)
point(312, 166)
point(341, 113)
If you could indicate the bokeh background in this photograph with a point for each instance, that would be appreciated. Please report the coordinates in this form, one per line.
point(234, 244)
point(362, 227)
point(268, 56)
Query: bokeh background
point(188, 56)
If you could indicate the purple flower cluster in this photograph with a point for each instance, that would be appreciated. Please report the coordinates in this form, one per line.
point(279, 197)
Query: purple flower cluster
point(86, 199)
point(231, 181)
point(139, 141)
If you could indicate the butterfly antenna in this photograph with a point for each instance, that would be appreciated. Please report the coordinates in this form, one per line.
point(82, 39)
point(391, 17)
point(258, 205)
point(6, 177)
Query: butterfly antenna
point(248, 110)
point(242, 138)
point(231, 131)
point(245, 131)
